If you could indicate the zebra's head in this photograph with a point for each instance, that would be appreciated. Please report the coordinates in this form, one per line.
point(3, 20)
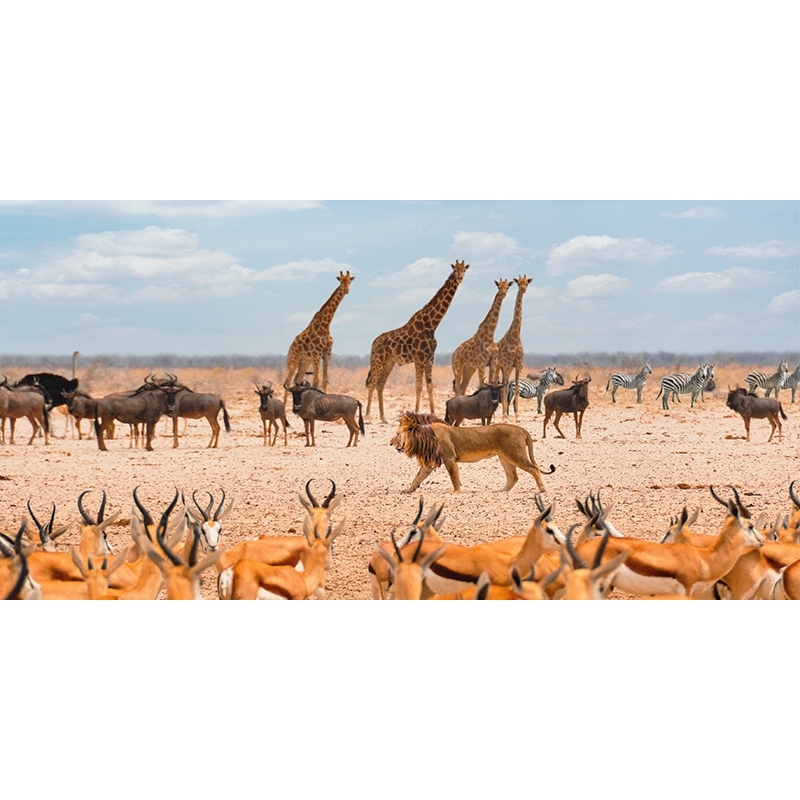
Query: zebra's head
point(783, 367)
point(646, 368)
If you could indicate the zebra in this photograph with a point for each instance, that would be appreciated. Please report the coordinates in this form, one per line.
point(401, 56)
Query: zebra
point(684, 383)
point(775, 381)
point(636, 381)
point(791, 382)
point(535, 386)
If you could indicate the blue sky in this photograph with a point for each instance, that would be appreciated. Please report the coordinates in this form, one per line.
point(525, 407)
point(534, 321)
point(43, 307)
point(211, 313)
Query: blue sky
point(208, 278)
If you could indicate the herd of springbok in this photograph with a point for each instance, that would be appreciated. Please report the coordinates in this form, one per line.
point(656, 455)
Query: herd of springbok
point(742, 559)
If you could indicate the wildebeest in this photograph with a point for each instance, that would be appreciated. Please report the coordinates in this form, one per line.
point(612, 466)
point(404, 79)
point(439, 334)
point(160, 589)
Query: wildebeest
point(481, 405)
point(574, 400)
point(145, 405)
point(81, 406)
point(750, 406)
point(183, 402)
point(272, 410)
point(24, 401)
point(311, 404)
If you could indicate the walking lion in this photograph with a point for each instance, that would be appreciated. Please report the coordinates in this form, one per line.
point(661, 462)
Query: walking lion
point(432, 442)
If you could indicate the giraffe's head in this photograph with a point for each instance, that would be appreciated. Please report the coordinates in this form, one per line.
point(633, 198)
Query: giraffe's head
point(345, 278)
point(502, 286)
point(459, 268)
point(522, 282)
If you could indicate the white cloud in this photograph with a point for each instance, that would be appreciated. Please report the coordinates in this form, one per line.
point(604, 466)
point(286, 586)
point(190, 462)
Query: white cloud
point(485, 246)
point(771, 249)
point(596, 285)
point(300, 270)
point(698, 212)
point(152, 264)
point(785, 303)
point(582, 252)
point(424, 271)
point(709, 282)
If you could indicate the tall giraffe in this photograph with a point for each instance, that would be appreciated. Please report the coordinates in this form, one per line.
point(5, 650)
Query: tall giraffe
point(415, 341)
point(510, 352)
point(316, 342)
point(479, 351)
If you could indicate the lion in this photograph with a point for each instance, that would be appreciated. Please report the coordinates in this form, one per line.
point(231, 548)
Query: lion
point(432, 442)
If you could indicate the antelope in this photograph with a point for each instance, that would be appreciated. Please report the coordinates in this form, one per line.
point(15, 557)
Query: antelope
point(15, 579)
point(286, 550)
point(271, 410)
point(408, 575)
point(587, 583)
point(459, 566)
point(653, 568)
point(46, 532)
point(210, 527)
point(253, 580)
point(94, 579)
point(182, 577)
point(49, 566)
point(379, 572)
point(519, 589)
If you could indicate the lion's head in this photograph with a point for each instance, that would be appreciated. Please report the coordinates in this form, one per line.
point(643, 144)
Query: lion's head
point(417, 439)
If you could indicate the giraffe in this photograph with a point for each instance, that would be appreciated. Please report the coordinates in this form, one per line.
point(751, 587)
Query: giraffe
point(414, 341)
point(479, 351)
point(315, 342)
point(510, 352)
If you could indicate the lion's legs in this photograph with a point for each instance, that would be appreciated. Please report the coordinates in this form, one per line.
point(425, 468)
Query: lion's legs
point(452, 468)
point(421, 475)
point(511, 473)
point(537, 475)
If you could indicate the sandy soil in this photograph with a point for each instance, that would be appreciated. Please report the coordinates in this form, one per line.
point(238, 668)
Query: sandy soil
point(648, 462)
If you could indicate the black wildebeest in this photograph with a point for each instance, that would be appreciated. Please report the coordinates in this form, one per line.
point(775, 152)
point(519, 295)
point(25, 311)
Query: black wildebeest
point(52, 386)
point(146, 405)
point(271, 410)
point(574, 400)
point(481, 405)
point(183, 402)
point(749, 406)
point(311, 404)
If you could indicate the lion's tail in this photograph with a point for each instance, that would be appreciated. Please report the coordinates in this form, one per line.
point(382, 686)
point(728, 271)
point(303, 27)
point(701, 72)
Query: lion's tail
point(529, 440)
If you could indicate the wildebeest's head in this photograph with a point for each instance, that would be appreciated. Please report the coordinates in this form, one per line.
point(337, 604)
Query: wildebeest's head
point(297, 394)
point(265, 392)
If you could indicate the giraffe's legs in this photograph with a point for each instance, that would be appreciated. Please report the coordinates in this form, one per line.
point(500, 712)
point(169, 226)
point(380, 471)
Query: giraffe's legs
point(517, 370)
point(429, 382)
point(378, 381)
point(326, 360)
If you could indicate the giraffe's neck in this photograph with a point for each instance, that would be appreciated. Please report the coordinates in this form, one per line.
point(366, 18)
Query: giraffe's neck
point(432, 313)
point(323, 317)
point(516, 323)
point(487, 328)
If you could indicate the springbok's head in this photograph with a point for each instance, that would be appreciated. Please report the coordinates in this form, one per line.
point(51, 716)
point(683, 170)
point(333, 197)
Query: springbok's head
point(210, 525)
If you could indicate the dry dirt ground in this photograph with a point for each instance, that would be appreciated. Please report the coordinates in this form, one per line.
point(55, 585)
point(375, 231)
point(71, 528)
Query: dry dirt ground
point(648, 462)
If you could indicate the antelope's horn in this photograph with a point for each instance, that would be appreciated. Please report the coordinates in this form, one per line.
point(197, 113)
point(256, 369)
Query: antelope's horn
point(327, 500)
point(311, 496)
point(146, 518)
point(219, 507)
point(576, 559)
point(717, 497)
point(793, 495)
point(86, 518)
point(102, 512)
point(396, 548)
point(419, 513)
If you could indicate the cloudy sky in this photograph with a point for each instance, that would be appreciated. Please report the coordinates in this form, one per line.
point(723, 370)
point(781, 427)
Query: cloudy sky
point(205, 278)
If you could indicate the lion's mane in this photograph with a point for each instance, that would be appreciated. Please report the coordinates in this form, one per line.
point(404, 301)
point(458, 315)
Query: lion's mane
point(417, 439)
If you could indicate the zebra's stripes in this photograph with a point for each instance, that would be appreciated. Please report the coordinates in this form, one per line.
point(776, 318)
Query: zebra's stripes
point(792, 382)
point(760, 380)
point(534, 387)
point(684, 383)
point(636, 381)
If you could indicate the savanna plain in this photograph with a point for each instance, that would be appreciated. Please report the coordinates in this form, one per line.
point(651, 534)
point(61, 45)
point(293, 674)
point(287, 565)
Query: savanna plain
point(648, 462)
